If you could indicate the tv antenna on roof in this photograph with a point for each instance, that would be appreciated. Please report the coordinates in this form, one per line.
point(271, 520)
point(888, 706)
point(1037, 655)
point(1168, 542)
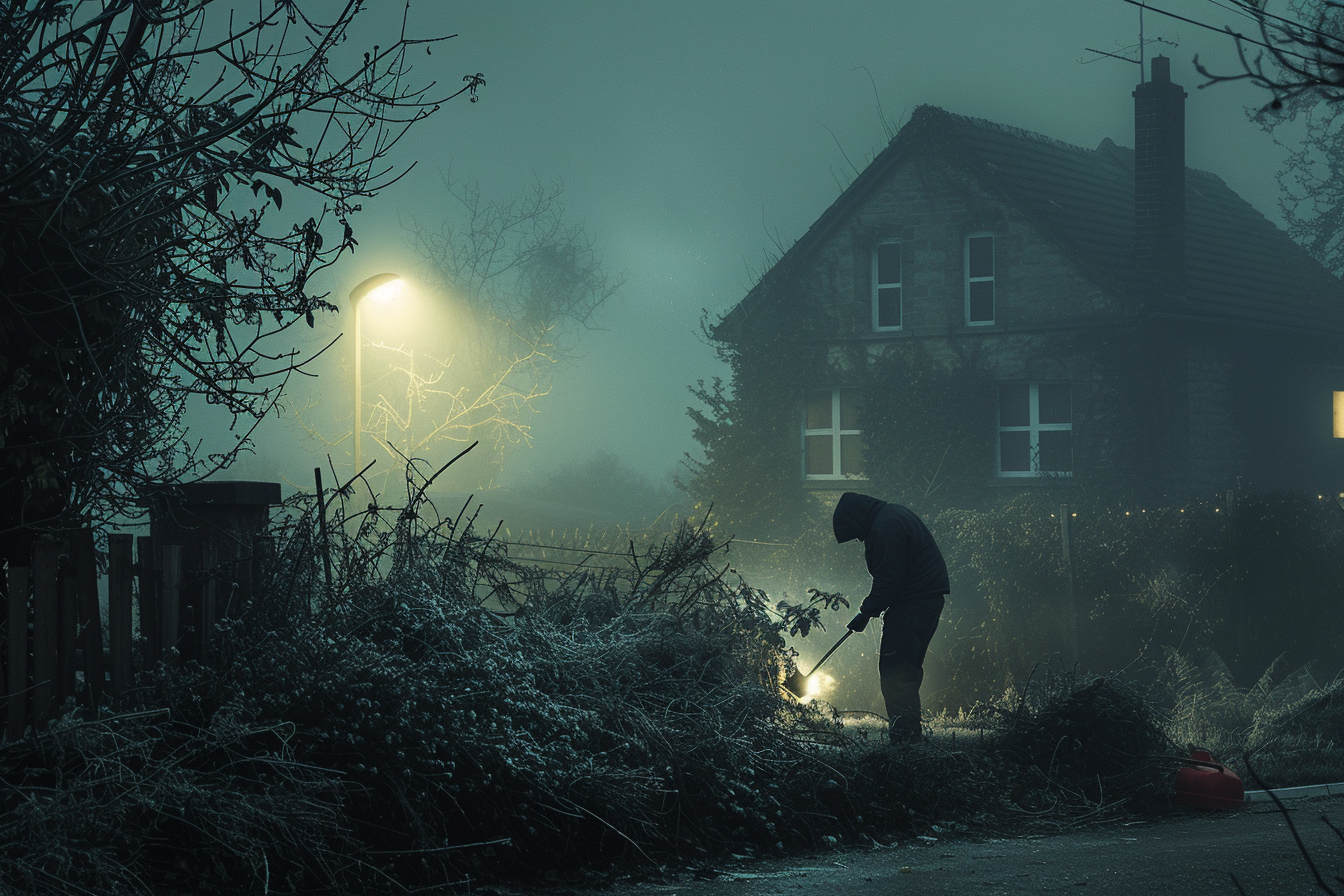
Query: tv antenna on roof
point(1139, 47)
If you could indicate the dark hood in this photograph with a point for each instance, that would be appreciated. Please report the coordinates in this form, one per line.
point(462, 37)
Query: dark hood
point(854, 515)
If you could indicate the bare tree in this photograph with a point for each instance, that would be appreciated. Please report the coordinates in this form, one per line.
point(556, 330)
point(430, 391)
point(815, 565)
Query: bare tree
point(1298, 57)
point(437, 401)
point(528, 285)
point(1298, 54)
point(147, 148)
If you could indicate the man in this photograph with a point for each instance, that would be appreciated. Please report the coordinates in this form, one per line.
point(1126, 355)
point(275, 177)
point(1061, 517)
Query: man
point(909, 584)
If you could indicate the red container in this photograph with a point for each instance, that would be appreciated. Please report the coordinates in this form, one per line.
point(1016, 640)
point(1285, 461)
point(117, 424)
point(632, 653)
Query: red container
point(1208, 784)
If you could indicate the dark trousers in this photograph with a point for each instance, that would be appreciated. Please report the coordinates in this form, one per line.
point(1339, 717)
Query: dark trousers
point(907, 629)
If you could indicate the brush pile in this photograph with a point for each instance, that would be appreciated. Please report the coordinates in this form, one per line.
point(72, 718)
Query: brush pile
point(1071, 748)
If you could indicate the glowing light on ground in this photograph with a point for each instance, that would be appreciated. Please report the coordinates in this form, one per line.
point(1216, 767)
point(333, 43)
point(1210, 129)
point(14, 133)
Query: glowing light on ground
point(818, 684)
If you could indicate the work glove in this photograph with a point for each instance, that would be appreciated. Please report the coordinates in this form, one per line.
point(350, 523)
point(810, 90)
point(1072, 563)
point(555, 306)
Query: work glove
point(859, 622)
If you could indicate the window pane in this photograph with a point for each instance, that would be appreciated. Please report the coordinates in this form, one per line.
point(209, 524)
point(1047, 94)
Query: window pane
point(980, 256)
point(1056, 451)
point(889, 263)
point(851, 454)
point(849, 412)
point(982, 301)
point(1015, 405)
point(819, 410)
point(818, 459)
point(1055, 403)
point(889, 306)
point(1015, 452)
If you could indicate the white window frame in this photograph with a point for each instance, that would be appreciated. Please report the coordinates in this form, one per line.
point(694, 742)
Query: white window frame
point(1035, 427)
point(834, 432)
point(991, 279)
point(897, 283)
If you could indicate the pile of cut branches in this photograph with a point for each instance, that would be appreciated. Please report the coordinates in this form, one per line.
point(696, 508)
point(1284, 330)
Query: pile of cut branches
point(1071, 748)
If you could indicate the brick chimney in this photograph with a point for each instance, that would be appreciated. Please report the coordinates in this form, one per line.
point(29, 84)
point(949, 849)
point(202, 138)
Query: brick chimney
point(1159, 181)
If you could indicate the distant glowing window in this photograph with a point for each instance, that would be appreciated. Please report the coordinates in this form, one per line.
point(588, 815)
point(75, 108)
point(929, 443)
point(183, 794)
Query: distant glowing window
point(1035, 429)
point(980, 280)
point(832, 442)
point(1339, 415)
point(887, 287)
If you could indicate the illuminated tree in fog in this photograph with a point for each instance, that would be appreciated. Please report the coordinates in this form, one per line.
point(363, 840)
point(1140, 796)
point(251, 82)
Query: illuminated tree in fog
point(525, 285)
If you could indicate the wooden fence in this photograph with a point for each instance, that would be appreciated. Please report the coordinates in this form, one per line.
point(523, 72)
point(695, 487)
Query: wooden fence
point(55, 647)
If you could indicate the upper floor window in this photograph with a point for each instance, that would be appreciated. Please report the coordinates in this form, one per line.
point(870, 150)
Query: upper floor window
point(887, 287)
point(1339, 415)
point(980, 280)
point(1035, 429)
point(832, 442)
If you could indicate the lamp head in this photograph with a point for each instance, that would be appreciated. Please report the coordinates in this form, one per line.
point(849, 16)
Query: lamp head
point(379, 287)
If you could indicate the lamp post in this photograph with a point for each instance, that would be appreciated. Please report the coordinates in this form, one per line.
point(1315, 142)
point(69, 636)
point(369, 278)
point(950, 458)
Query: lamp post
point(380, 287)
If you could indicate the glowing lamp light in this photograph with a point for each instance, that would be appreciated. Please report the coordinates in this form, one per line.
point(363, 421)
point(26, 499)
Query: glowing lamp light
point(381, 288)
point(386, 290)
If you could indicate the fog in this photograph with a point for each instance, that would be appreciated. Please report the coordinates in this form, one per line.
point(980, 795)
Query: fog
point(692, 140)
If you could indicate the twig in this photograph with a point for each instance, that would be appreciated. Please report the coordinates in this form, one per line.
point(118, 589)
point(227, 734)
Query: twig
point(1283, 810)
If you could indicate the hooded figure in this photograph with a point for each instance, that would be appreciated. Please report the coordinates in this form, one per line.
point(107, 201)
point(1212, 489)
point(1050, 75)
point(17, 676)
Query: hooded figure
point(909, 584)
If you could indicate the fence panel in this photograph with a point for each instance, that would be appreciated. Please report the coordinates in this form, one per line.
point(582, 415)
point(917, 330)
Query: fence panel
point(151, 591)
point(84, 555)
point(46, 555)
point(120, 641)
point(54, 647)
point(17, 679)
point(67, 632)
point(171, 597)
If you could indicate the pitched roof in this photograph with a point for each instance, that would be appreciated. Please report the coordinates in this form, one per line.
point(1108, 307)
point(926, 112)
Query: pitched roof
point(1239, 267)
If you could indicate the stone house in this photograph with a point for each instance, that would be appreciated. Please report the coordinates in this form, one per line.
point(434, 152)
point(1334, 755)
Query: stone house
point(986, 310)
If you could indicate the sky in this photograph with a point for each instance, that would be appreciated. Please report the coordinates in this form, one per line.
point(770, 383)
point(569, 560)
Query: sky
point(693, 138)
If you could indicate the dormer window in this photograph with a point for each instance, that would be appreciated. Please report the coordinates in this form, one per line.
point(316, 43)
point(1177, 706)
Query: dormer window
point(887, 287)
point(979, 280)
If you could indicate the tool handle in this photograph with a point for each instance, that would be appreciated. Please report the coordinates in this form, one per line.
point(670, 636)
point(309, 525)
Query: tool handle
point(834, 648)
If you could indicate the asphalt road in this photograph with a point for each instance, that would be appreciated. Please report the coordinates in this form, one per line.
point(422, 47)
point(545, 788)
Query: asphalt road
point(1191, 854)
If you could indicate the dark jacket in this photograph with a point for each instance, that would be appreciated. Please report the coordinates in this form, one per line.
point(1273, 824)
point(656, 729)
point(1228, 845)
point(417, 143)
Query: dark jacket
point(902, 557)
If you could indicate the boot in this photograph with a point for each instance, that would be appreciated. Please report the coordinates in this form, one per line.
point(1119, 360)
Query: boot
point(904, 731)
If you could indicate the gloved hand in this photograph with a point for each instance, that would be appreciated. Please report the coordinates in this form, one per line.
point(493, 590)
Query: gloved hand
point(858, 623)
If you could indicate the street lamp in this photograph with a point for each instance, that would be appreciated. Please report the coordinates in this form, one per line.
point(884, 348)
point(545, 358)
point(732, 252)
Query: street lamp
point(379, 287)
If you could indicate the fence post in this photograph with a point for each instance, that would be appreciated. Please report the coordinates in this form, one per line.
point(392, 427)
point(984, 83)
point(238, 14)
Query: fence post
point(209, 597)
point(151, 595)
point(171, 595)
point(1071, 607)
point(90, 616)
point(119, 612)
point(322, 526)
point(46, 606)
point(67, 632)
point(1240, 612)
point(17, 679)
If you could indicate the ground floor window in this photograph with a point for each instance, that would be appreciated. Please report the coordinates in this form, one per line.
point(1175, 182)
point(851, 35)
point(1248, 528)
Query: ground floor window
point(1035, 429)
point(832, 442)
